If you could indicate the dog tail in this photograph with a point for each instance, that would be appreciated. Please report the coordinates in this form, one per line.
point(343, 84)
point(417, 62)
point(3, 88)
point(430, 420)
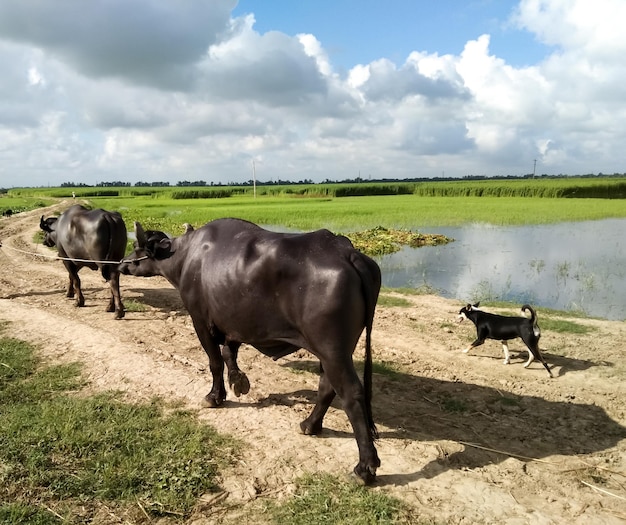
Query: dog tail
point(533, 314)
point(533, 318)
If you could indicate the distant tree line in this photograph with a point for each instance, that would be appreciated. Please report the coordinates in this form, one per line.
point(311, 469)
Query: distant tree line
point(356, 180)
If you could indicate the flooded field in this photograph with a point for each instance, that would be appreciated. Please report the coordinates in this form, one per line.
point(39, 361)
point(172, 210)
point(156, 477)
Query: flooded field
point(568, 266)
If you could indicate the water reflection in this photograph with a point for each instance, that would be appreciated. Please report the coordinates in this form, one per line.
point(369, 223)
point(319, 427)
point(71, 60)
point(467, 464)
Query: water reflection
point(568, 266)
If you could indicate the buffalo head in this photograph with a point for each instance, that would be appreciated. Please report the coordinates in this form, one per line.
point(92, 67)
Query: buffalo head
point(150, 247)
point(49, 228)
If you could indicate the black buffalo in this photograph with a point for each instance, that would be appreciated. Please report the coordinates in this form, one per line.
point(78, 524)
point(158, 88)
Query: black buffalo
point(278, 292)
point(89, 238)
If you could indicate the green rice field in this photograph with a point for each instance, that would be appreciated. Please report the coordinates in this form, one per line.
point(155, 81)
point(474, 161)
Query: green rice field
point(402, 205)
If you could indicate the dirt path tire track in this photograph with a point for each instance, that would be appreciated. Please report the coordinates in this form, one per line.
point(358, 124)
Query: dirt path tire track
point(437, 399)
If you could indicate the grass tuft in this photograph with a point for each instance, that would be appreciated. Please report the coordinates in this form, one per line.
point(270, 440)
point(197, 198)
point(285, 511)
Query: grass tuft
point(58, 449)
point(326, 499)
point(132, 305)
point(393, 300)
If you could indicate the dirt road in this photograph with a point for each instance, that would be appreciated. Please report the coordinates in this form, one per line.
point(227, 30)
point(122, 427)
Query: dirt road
point(464, 438)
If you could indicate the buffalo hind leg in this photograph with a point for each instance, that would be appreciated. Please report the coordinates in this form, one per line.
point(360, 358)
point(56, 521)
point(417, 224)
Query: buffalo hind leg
point(237, 380)
point(312, 425)
point(346, 383)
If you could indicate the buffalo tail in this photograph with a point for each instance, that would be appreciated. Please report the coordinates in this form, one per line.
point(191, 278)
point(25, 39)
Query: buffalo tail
point(369, 272)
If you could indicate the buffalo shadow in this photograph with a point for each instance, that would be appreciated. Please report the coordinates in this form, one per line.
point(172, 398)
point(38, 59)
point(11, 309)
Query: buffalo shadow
point(163, 299)
point(426, 409)
point(89, 293)
point(421, 408)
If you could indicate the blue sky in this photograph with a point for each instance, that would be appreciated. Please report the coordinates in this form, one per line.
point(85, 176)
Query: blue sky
point(153, 91)
point(360, 32)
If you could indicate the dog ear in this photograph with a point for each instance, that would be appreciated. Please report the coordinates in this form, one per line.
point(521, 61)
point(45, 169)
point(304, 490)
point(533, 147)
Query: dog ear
point(476, 305)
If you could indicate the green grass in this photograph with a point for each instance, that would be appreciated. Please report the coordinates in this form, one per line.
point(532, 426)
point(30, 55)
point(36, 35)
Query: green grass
point(452, 203)
point(359, 213)
point(20, 204)
point(131, 305)
point(564, 326)
point(387, 369)
point(393, 300)
point(325, 499)
point(72, 453)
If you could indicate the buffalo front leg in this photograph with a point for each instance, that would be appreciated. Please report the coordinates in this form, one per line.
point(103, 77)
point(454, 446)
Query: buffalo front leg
point(70, 288)
point(115, 303)
point(73, 288)
point(217, 394)
point(237, 380)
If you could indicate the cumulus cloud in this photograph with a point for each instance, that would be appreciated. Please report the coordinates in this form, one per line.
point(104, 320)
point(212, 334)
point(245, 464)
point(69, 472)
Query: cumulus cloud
point(145, 41)
point(273, 68)
point(147, 90)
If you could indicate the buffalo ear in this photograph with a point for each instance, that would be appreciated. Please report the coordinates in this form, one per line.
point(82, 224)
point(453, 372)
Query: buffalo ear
point(162, 249)
point(140, 235)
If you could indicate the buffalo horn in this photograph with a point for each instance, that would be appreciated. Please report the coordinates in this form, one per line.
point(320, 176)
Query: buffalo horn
point(140, 235)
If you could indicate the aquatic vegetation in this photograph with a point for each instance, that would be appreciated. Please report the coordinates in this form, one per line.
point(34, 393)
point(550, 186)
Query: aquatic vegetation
point(383, 241)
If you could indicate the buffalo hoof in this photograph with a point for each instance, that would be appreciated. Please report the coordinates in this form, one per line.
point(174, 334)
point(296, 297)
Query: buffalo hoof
point(310, 429)
point(238, 382)
point(365, 475)
point(211, 401)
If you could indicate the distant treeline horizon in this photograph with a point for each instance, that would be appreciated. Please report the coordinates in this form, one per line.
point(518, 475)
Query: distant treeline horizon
point(580, 186)
point(356, 180)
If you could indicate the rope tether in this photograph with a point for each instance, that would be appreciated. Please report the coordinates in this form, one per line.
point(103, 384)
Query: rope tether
point(57, 258)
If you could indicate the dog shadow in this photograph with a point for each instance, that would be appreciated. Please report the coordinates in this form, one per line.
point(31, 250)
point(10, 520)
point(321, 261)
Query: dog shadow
point(425, 409)
point(559, 365)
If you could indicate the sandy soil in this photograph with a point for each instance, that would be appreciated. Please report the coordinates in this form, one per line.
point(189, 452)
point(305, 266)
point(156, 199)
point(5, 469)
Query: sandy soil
point(464, 438)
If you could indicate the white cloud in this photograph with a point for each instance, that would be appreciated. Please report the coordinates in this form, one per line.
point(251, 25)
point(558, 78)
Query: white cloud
point(593, 28)
point(145, 41)
point(146, 90)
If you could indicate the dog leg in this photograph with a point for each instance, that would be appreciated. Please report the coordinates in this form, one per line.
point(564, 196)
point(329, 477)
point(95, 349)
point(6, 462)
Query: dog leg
point(546, 367)
point(537, 354)
point(505, 349)
point(531, 358)
point(476, 343)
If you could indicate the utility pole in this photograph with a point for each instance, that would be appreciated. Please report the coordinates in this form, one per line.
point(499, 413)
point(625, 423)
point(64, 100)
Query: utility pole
point(534, 168)
point(254, 178)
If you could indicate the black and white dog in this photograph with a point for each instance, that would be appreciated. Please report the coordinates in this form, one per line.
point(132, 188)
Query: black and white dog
point(503, 328)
